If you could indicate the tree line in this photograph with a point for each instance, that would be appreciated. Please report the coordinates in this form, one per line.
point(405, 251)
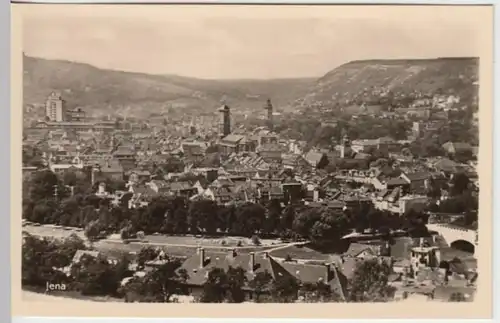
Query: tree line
point(178, 215)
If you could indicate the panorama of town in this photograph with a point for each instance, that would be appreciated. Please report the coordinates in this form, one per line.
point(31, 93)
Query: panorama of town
point(350, 203)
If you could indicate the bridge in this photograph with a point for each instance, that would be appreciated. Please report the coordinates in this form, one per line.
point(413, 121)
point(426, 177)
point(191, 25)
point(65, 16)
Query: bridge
point(455, 236)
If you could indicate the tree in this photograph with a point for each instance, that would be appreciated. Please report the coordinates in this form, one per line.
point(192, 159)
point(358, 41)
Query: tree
point(273, 214)
point(370, 282)
point(223, 286)
point(261, 284)
point(92, 231)
point(147, 254)
point(215, 287)
point(203, 214)
point(318, 292)
point(69, 212)
point(249, 219)
point(236, 281)
point(94, 276)
point(305, 220)
point(459, 184)
point(159, 285)
point(43, 211)
point(285, 289)
point(255, 240)
point(42, 185)
point(40, 257)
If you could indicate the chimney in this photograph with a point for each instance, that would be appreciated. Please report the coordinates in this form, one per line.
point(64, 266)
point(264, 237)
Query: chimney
point(434, 238)
point(437, 255)
point(387, 248)
point(201, 254)
point(252, 261)
point(266, 255)
point(421, 241)
point(326, 279)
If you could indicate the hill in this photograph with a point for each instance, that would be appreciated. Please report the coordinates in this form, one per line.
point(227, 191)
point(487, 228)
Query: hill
point(101, 91)
point(367, 80)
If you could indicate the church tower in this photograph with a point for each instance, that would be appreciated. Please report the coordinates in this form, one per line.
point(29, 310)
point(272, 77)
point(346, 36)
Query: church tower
point(269, 108)
point(226, 120)
point(345, 147)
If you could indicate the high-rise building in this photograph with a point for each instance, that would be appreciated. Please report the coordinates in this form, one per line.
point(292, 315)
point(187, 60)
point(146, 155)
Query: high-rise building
point(226, 120)
point(269, 108)
point(55, 108)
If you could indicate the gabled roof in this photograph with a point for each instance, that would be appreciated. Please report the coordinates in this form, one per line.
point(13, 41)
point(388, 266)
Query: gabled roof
point(417, 176)
point(232, 138)
point(395, 181)
point(80, 253)
point(457, 145)
point(180, 186)
point(357, 248)
point(224, 260)
point(362, 156)
point(160, 183)
point(314, 157)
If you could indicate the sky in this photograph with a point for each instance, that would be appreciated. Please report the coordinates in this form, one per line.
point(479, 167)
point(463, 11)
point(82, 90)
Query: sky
point(237, 42)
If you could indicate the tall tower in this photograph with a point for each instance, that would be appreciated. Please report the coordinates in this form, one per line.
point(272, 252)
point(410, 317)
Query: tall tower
point(269, 108)
point(345, 147)
point(54, 108)
point(226, 120)
point(192, 128)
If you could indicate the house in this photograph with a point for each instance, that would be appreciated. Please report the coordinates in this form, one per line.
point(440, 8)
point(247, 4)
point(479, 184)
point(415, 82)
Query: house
point(199, 266)
point(193, 151)
point(220, 194)
point(201, 185)
point(395, 182)
point(80, 253)
point(418, 181)
point(159, 186)
point(455, 148)
point(109, 169)
point(270, 152)
point(366, 251)
point(234, 143)
point(126, 157)
point(316, 159)
point(294, 161)
point(445, 165)
point(139, 176)
point(182, 188)
point(412, 202)
point(142, 195)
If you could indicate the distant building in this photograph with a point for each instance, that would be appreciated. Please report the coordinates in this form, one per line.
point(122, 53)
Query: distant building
point(77, 115)
point(269, 108)
point(55, 109)
point(226, 120)
point(454, 148)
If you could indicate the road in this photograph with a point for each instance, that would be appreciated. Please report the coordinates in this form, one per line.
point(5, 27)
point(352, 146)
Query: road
point(117, 243)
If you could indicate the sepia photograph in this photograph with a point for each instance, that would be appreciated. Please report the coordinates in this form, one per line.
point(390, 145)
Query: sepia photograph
point(252, 154)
